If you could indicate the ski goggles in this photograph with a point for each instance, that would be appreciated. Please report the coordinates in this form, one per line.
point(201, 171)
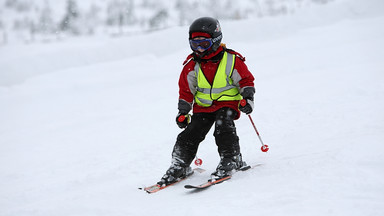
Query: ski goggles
point(202, 44)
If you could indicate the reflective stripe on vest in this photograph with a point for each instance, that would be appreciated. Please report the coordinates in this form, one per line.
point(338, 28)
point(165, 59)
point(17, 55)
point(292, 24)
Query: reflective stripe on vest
point(222, 88)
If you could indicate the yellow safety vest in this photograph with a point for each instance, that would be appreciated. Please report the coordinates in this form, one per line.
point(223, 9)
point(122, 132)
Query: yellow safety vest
point(222, 88)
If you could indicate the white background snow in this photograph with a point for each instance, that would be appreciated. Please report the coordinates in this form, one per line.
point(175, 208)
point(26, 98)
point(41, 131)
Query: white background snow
point(85, 122)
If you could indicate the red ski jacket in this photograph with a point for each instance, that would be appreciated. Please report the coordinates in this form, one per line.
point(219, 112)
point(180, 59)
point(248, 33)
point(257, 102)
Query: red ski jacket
point(241, 77)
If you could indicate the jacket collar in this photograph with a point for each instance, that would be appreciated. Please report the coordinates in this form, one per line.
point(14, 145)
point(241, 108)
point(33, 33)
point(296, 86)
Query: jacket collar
point(213, 56)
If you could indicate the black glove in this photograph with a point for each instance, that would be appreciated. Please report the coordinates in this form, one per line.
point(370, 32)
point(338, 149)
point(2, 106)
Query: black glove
point(246, 106)
point(182, 120)
point(184, 106)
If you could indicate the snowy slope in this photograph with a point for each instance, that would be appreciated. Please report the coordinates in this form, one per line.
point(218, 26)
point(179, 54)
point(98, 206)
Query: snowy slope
point(84, 123)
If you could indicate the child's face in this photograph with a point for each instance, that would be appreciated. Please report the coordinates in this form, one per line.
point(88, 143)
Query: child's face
point(199, 48)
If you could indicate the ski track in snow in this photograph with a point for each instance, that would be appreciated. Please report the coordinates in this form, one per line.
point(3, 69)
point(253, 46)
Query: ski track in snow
point(82, 126)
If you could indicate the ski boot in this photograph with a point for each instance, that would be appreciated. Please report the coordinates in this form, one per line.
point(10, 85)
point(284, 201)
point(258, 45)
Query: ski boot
point(174, 174)
point(228, 165)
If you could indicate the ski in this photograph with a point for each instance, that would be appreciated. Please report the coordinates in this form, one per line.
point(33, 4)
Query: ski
point(155, 188)
point(215, 181)
point(209, 183)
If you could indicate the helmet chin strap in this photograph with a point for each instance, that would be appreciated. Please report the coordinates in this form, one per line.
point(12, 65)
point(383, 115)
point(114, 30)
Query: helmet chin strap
point(205, 53)
point(199, 57)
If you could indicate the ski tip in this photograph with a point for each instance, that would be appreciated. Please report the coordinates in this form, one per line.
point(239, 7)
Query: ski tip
point(151, 189)
point(245, 168)
point(189, 186)
point(197, 187)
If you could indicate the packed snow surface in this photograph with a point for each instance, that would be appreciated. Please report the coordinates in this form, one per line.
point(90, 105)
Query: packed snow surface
point(85, 122)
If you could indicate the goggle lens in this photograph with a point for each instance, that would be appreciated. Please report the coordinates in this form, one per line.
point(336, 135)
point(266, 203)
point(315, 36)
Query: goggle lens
point(203, 44)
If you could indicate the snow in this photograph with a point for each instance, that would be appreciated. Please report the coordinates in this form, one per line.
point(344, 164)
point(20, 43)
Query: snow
point(85, 122)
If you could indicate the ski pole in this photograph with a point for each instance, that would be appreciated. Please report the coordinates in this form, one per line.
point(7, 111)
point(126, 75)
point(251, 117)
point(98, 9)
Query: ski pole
point(264, 147)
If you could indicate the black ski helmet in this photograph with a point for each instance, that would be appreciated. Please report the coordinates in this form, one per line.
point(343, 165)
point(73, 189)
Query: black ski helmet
point(210, 26)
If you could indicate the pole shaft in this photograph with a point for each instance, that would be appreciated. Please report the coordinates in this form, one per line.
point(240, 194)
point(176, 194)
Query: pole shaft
point(257, 132)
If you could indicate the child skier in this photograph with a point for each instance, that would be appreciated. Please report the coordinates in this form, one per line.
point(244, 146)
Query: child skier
point(213, 81)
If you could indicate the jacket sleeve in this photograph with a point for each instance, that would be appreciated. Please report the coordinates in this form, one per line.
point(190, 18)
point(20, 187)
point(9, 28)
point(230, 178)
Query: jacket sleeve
point(187, 87)
point(242, 77)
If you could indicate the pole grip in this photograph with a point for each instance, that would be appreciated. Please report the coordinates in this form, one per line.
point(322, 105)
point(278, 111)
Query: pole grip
point(181, 118)
point(243, 102)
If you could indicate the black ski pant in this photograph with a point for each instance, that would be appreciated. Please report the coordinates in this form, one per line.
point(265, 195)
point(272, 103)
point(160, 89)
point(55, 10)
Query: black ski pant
point(225, 135)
